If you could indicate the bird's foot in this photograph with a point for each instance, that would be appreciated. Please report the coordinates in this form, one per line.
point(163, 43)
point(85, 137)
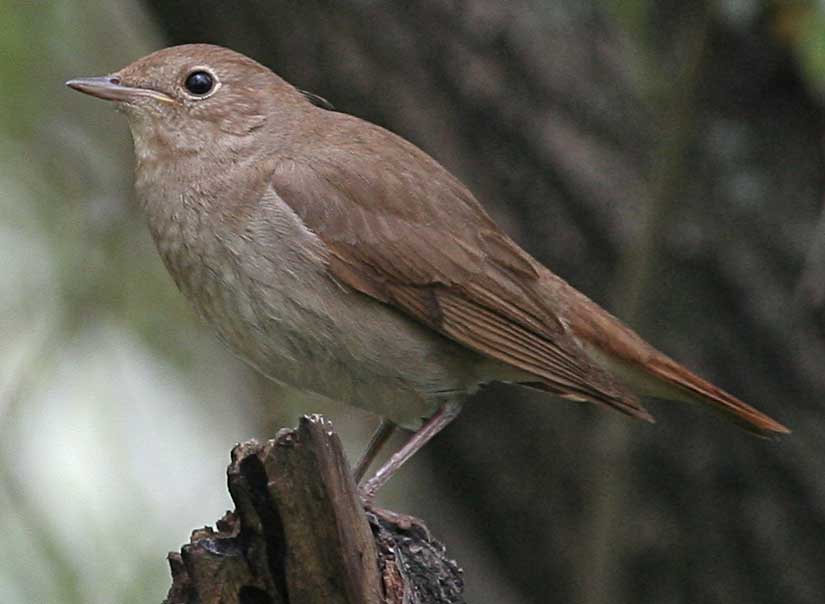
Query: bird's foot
point(368, 489)
point(403, 522)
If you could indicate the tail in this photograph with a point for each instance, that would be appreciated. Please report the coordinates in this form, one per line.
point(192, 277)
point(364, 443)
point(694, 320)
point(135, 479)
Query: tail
point(650, 372)
point(694, 388)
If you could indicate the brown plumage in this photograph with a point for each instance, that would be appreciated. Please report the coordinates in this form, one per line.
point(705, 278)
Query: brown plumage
point(335, 256)
point(418, 239)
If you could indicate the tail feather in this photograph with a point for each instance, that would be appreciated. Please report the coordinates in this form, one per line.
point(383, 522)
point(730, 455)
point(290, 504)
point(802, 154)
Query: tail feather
point(649, 372)
point(752, 420)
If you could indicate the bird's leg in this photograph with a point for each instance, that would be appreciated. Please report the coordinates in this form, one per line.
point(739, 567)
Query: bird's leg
point(437, 422)
point(378, 439)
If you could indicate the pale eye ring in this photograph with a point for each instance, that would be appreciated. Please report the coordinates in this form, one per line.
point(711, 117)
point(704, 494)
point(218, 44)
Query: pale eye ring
point(199, 83)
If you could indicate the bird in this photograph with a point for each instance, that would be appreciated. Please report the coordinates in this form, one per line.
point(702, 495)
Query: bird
point(336, 257)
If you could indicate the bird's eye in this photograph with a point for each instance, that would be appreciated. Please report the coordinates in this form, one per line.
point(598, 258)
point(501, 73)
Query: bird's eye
point(199, 83)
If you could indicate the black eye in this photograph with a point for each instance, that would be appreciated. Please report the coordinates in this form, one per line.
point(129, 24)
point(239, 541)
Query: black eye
point(199, 82)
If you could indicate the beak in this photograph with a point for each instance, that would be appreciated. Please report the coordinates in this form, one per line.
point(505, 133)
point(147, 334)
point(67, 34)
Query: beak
point(110, 88)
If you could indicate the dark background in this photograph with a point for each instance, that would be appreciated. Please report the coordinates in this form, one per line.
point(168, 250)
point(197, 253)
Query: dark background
point(666, 159)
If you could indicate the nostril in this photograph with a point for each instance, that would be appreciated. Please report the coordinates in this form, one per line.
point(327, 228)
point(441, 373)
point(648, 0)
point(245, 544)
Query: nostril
point(114, 80)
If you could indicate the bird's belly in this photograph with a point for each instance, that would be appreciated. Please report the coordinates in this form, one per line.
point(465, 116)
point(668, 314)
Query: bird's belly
point(263, 285)
point(353, 350)
point(293, 323)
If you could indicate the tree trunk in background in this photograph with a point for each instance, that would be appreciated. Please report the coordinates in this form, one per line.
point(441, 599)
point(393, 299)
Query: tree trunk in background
point(677, 181)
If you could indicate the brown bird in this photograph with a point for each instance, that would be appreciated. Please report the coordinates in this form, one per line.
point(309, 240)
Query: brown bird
point(338, 258)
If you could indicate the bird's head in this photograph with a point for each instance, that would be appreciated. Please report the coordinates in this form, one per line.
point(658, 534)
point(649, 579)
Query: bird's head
point(187, 99)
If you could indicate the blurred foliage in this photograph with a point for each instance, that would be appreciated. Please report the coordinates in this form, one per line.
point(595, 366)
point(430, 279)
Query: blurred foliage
point(801, 26)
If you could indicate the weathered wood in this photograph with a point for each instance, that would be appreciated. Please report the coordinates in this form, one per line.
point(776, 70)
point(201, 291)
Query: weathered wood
point(299, 535)
point(414, 568)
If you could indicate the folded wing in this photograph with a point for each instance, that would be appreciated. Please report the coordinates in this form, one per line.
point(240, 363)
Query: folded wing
point(404, 231)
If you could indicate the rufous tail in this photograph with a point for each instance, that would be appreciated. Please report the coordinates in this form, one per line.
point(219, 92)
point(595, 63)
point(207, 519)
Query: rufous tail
point(747, 417)
point(649, 372)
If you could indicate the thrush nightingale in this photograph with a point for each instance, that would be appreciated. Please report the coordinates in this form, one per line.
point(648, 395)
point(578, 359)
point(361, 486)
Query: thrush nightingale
point(337, 257)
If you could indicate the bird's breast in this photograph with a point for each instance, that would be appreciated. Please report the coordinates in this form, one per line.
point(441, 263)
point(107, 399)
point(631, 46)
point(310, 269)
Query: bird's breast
point(262, 283)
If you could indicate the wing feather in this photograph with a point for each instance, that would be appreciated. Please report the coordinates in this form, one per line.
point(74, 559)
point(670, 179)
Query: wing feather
point(402, 230)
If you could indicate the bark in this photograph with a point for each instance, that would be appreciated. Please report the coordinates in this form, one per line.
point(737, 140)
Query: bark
point(300, 535)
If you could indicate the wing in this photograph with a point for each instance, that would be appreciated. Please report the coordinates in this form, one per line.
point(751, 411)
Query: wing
point(404, 231)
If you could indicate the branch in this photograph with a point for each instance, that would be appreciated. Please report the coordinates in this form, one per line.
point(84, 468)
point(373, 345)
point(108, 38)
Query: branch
point(299, 535)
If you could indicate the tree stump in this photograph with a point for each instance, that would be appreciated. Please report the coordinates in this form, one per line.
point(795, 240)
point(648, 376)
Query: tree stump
point(300, 535)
